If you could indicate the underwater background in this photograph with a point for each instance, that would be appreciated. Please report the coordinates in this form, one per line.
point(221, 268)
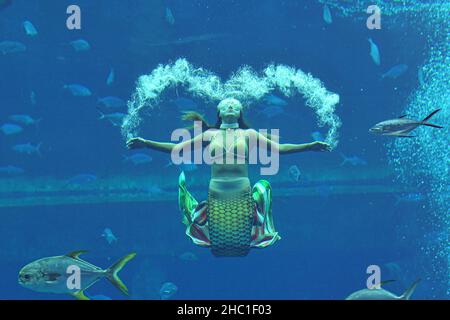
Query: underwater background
point(372, 201)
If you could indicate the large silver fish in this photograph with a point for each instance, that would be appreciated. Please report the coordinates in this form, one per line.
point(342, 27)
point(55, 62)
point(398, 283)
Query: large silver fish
point(401, 127)
point(381, 294)
point(51, 274)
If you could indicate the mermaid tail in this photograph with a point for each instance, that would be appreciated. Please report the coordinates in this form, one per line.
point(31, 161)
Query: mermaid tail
point(229, 223)
point(194, 215)
point(263, 232)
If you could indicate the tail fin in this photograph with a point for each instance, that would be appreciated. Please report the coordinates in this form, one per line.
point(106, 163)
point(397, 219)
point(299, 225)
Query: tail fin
point(408, 293)
point(102, 115)
point(398, 200)
point(115, 269)
point(344, 159)
point(430, 115)
point(432, 125)
point(169, 164)
point(38, 149)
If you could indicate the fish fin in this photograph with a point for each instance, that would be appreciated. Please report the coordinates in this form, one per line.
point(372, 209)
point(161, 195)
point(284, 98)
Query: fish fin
point(382, 283)
point(115, 269)
point(75, 254)
point(399, 135)
point(408, 293)
point(344, 159)
point(402, 116)
point(432, 125)
point(79, 295)
point(102, 115)
point(430, 115)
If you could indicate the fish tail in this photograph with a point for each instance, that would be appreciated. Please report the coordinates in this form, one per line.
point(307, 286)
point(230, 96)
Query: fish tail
point(112, 273)
point(102, 115)
point(432, 125)
point(344, 159)
point(398, 200)
point(408, 293)
point(38, 149)
point(430, 115)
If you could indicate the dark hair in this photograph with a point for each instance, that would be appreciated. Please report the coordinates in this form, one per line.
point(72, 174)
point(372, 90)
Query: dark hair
point(195, 116)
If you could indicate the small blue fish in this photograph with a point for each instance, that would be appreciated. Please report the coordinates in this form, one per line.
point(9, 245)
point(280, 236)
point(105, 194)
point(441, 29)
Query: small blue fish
point(138, 158)
point(324, 191)
point(81, 179)
point(153, 190)
point(24, 119)
point(30, 29)
point(11, 170)
point(395, 71)
point(353, 160)
point(317, 136)
point(169, 17)
point(274, 100)
point(294, 173)
point(80, 45)
point(327, 15)
point(111, 77)
point(374, 52)
point(28, 149)
point(109, 236)
point(188, 256)
point(11, 47)
point(78, 90)
point(112, 102)
point(168, 290)
point(5, 3)
point(115, 118)
point(410, 198)
point(187, 167)
point(10, 129)
point(33, 98)
point(271, 111)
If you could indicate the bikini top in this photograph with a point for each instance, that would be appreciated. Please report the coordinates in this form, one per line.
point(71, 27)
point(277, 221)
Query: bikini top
point(221, 148)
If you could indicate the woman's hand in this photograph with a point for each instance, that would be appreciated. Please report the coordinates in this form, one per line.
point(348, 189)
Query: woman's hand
point(136, 143)
point(319, 146)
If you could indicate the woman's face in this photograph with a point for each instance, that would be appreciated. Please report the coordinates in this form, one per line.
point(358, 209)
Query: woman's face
point(229, 110)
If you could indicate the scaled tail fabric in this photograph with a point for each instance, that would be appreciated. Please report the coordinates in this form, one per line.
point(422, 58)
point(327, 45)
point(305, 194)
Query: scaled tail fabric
point(232, 225)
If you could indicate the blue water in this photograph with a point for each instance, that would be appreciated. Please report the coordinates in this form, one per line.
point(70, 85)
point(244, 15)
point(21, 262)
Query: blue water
point(328, 240)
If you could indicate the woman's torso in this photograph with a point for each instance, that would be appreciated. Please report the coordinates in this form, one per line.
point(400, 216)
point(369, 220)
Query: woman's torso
point(229, 153)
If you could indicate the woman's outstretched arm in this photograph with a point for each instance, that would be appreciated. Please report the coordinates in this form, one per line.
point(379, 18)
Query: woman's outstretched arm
point(166, 147)
point(286, 148)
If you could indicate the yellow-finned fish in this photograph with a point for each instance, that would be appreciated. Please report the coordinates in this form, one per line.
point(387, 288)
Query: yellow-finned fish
point(51, 274)
point(401, 127)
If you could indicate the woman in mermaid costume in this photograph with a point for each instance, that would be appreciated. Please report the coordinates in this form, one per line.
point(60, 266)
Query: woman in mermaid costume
point(235, 217)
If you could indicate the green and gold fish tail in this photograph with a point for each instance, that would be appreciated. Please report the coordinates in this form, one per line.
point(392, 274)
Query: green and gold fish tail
point(194, 214)
point(230, 218)
point(112, 273)
point(186, 201)
point(263, 233)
